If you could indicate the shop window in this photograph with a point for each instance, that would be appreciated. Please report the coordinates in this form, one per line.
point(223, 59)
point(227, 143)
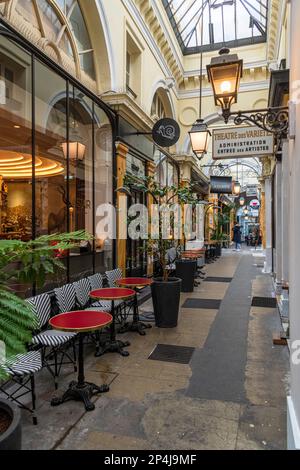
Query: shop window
point(71, 177)
point(157, 108)
point(51, 190)
point(47, 20)
point(15, 145)
point(103, 187)
point(81, 178)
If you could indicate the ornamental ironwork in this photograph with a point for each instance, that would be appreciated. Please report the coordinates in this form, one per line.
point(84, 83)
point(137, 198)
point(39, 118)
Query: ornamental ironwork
point(273, 120)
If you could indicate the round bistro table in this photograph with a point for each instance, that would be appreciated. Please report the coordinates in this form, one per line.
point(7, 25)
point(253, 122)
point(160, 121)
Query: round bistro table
point(135, 283)
point(113, 294)
point(81, 322)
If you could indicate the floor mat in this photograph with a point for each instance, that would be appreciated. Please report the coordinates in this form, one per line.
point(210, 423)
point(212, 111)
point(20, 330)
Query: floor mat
point(213, 304)
point(171, 353)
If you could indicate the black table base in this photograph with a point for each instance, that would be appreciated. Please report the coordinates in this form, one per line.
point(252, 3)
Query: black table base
point(81, 392)
point(136, 325)
point(114, 346)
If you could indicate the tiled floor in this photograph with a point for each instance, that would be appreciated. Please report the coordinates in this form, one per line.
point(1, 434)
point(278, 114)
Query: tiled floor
point(163, 405)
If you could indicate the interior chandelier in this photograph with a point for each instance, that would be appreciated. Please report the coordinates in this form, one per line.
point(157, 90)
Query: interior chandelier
point(14, 165)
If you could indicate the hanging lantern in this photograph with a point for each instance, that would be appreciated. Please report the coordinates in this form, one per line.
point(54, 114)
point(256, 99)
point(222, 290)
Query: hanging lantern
point(236, 189)
point(76, 150)
point(199, 135)
point(224, 73)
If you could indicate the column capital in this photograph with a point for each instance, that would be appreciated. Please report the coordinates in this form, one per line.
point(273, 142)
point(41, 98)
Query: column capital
point(151, 167)
point(121, 149)
point(267, 166)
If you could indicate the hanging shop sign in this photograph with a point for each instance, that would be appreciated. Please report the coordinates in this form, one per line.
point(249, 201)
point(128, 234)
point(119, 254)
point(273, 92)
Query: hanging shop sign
point(166, 132)
point(251, 190)
point(221, 184)
point(241, 142)
point(254, 204)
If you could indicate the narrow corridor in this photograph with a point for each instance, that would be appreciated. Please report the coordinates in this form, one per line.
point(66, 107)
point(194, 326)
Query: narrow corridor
point(230, 396)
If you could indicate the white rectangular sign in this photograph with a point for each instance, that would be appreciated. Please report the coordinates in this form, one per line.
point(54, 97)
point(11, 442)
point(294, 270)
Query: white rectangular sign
point(241, 142)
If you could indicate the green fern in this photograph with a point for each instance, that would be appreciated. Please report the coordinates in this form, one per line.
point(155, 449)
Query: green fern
point(27, 262)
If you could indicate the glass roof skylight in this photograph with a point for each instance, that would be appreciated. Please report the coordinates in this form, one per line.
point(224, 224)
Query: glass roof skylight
point(230, 23)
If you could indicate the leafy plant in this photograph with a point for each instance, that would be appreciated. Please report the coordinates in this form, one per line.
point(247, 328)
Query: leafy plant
point(221, 220)
point(27, 262)
point(164, 196)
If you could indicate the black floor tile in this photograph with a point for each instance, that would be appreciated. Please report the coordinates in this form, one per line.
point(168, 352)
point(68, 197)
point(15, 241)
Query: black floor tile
point(218, 279)
point(213, 304)
point(171, 353)
point(267, 302)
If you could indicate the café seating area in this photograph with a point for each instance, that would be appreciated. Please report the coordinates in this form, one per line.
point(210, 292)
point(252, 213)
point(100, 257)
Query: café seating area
point(96, 310)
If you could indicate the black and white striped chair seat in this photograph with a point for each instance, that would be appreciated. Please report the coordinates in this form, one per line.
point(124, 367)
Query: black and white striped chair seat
point(41, 307)
point(23, 364)
point(66, 298)
point(113, 275)
point(52, 338)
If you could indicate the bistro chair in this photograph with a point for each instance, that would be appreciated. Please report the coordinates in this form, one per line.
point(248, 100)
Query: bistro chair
point(82, 290)
point(21, 382)
point(66, 298)
point(121, 312)
point(96, 282)
point(53, 343)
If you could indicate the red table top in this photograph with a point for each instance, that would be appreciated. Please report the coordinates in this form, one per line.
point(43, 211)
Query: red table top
point(81, 321)
point(112, 293)
point(134, 281)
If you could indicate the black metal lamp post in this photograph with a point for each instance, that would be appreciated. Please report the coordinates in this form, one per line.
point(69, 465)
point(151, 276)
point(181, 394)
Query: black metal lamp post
point(224, 73)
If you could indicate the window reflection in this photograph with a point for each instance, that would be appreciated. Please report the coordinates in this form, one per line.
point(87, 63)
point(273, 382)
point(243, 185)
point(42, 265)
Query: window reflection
point(71, 178)
point(15, 143)
point(103, 187)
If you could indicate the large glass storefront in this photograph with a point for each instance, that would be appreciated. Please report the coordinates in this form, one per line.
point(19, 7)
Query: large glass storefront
point(56, 164)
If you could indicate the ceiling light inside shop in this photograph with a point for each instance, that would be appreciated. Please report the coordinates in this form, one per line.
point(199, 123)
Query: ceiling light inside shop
point(17, 166)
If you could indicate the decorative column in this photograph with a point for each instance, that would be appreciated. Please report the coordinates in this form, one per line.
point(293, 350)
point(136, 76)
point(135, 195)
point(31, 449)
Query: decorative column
point(121, 155)
point(278, 228)
point(267, 212)
point(262, 212)
point(285, 212)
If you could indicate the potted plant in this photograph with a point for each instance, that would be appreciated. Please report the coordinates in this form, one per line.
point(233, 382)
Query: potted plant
point(221, 220)
point(165, 289)
point(23, 262)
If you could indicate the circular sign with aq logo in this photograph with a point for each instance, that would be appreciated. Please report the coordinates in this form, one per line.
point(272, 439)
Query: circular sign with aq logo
point(166, 132)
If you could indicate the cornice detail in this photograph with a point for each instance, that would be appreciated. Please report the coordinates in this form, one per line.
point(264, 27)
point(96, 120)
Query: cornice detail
point(130, 110)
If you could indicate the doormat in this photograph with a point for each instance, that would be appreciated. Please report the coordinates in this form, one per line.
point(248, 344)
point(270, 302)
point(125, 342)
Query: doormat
point(218, 279)
point(213, 304)
point(267, 302)
point(171, 353)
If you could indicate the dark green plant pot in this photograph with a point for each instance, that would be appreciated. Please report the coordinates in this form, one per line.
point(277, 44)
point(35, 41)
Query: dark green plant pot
point(166, 301)
point(11, 439)
point(186, 271)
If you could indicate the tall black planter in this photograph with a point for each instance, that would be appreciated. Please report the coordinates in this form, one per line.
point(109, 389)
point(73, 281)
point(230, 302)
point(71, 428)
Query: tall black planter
point(166, 300)
point(11, 439)
point(186, 271)
point(218, 249)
